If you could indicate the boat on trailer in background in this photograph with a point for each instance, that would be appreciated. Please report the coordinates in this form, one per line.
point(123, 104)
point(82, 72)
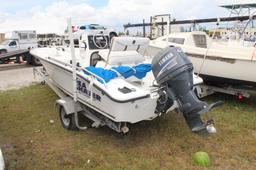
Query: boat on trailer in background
point(213, 61)
point(227, 66)
point(219, 65)
point(116, 86)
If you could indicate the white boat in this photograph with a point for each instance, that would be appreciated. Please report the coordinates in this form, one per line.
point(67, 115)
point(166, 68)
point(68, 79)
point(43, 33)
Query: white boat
point(120, 100)
point(216, 62)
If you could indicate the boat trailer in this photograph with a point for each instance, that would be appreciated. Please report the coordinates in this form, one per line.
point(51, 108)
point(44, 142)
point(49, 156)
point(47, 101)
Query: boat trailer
point(69, 110)
point(203, 90)
point(18, 56)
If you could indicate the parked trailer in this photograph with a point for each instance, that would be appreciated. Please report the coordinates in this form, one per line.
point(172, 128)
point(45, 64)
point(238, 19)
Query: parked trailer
point(19, 56)
point(17, 44)
point(67, 106)
point(239, 91)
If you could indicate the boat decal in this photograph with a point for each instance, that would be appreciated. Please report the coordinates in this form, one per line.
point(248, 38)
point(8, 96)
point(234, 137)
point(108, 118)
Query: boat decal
point(87, 104)
point(170, 64)
point(83, 89)
point(163, 60)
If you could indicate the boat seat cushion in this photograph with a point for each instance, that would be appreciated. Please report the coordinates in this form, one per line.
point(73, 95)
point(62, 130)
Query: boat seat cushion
point(122, 57)
point(139, 71)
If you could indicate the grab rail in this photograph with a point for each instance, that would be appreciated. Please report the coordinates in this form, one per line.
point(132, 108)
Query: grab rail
point(80, 69)
point(104, 82)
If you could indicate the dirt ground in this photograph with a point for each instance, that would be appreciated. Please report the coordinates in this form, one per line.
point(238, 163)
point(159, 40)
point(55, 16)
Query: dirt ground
point(17, 78)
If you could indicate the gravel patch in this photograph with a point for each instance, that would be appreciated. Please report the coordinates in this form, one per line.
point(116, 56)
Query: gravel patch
point(17, 78)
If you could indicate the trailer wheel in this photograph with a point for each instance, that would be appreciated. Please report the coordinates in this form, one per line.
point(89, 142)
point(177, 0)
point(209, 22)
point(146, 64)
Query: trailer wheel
point(43, 82)
point(67, 121)
point(36, 61)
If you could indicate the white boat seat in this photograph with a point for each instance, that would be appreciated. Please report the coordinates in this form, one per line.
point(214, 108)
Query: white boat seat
point(138, 44)
point(125, 51)
point(122, 57)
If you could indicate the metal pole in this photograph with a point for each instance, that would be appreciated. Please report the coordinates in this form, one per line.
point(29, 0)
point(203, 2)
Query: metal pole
point(144, 28)
point(167, 31)
point(162, 27)
point(71, 40)
point(151, 27)
point(72, 49)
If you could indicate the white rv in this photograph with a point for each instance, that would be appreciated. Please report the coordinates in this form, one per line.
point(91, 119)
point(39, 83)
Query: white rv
point(18, 40)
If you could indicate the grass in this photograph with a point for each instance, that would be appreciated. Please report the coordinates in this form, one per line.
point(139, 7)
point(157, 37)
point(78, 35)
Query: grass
point(29, 141)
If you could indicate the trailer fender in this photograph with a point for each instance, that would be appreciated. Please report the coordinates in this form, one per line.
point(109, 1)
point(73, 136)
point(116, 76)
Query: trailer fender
point(68, 104)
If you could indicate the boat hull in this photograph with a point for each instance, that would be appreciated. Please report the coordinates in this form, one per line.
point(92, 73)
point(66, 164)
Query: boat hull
point(131, 111)
point(217, 70)
point(224, 71)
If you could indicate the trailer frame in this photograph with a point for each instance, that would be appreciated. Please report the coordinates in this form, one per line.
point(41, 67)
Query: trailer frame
point(18, 54)
point(71, 107)
point(203, 90)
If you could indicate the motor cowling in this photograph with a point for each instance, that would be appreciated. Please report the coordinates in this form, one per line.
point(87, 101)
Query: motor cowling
point(173, 70)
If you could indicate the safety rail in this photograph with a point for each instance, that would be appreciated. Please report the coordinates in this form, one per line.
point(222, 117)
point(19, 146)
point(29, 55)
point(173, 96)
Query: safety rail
point(80, 69)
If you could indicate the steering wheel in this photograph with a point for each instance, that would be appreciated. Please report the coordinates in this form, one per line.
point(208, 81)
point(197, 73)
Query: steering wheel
point(100, 41)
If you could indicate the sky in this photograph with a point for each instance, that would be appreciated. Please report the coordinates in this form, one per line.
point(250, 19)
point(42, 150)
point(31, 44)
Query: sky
point(49, 16)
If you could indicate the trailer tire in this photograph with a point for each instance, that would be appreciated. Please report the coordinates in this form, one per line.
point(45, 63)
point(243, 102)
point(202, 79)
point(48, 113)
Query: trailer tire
point(67, 120)
point(36, 61)
point(43, 82)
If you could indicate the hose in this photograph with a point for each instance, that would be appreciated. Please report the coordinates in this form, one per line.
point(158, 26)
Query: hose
point(205, 55)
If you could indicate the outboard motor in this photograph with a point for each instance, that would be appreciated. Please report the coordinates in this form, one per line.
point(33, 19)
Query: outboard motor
point(173, 70)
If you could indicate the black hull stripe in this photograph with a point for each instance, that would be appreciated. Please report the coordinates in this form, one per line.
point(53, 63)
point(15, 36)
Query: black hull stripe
point(208, 57)
point(208, 79)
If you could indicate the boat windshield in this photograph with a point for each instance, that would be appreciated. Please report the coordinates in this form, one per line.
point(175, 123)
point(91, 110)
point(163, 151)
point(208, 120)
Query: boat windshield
point(98, 42)
point(95, 42)
point(200, 40)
